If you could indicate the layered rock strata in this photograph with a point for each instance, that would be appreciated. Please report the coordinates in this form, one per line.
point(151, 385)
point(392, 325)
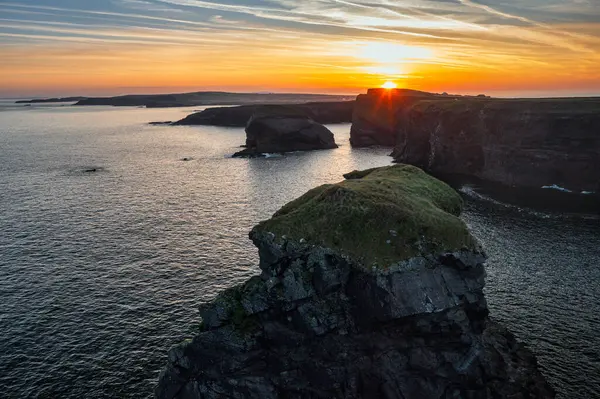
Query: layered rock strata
point(522, 143)
point(369, 288)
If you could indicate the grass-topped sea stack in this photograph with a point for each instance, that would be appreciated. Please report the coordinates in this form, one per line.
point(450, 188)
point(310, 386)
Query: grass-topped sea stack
point(370, 288)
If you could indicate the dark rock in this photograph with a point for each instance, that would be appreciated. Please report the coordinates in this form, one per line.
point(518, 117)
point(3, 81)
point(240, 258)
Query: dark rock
point(324, 113)
point(161, 123)
point(377, 114)
point(520, 143)
point(358, 319)
point(221, 116)
point(279, 129)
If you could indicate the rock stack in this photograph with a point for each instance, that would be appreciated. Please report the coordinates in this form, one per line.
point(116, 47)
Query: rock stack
point(280, 129)
point(370, 288)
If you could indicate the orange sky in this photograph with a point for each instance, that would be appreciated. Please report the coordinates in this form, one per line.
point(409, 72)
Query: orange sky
point(525, 47)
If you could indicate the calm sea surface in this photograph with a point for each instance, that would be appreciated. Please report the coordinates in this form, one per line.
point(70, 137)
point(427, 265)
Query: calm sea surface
point(101, 272)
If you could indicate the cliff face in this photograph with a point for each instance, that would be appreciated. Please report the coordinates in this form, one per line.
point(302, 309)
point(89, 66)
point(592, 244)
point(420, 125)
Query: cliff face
point(516, 142)
point(526, 143)
point(377, 114)
point(323, 112)
point(370, 288)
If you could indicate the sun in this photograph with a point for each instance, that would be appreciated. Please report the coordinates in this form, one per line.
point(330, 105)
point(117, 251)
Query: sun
point(389, 85)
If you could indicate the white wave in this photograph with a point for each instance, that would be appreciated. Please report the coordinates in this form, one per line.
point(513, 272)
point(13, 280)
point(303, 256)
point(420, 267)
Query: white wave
point(471, 192)
point(557, 187)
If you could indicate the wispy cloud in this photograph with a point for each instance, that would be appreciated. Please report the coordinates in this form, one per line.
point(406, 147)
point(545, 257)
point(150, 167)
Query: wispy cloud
point(194, 43)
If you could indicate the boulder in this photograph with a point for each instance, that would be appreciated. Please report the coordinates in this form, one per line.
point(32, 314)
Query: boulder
point(279, 129)
point(369, 288)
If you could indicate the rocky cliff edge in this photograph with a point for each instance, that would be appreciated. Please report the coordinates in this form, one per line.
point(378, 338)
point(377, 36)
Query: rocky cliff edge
point(370, 288)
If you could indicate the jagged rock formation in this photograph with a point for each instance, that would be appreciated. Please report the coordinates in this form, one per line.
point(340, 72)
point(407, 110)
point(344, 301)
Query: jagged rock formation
point(524, 143)
point(279, 129)
point(370, 288)
point(323, 112)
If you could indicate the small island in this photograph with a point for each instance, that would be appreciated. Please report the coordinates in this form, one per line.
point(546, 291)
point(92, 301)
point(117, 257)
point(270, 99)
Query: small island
point(280, 129)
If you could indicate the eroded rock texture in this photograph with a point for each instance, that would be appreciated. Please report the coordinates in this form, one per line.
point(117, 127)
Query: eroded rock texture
point(405, 318)
point(525, 143)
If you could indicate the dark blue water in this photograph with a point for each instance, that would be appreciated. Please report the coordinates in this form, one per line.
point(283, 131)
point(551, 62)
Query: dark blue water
point(101, 272)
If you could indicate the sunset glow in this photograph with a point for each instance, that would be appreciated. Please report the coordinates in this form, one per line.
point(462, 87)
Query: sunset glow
point(389, 85)
point(519, 47)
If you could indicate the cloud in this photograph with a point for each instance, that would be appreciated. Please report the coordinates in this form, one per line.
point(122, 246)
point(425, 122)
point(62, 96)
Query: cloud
point(305, 40)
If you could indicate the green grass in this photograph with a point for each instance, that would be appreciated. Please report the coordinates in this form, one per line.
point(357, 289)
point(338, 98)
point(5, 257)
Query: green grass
point(377, 217)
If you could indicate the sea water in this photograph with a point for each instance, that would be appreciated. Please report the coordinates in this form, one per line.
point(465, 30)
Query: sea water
point(109, 241)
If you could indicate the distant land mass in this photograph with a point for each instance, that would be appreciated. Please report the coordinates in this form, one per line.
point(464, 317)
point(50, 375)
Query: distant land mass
point(195, 99)
point(321, 112)
point(330, 111)
point(51, 100)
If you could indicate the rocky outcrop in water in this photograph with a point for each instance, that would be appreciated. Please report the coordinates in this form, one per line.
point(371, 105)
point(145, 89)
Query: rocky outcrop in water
point(522, 143)
point(370, 288)
point(323, 112)
point(279, 129)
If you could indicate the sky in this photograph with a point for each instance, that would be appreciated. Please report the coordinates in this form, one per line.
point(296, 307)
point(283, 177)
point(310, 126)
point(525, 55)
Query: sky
point(110, 47)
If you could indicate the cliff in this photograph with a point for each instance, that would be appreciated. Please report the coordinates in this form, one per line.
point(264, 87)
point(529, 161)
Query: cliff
point(370, 288)
point(279, 129)
point(322, 112)
point(523, 143)
point(377, 113)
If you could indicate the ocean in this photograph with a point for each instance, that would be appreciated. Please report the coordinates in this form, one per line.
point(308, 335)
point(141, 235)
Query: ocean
point(109, 241)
